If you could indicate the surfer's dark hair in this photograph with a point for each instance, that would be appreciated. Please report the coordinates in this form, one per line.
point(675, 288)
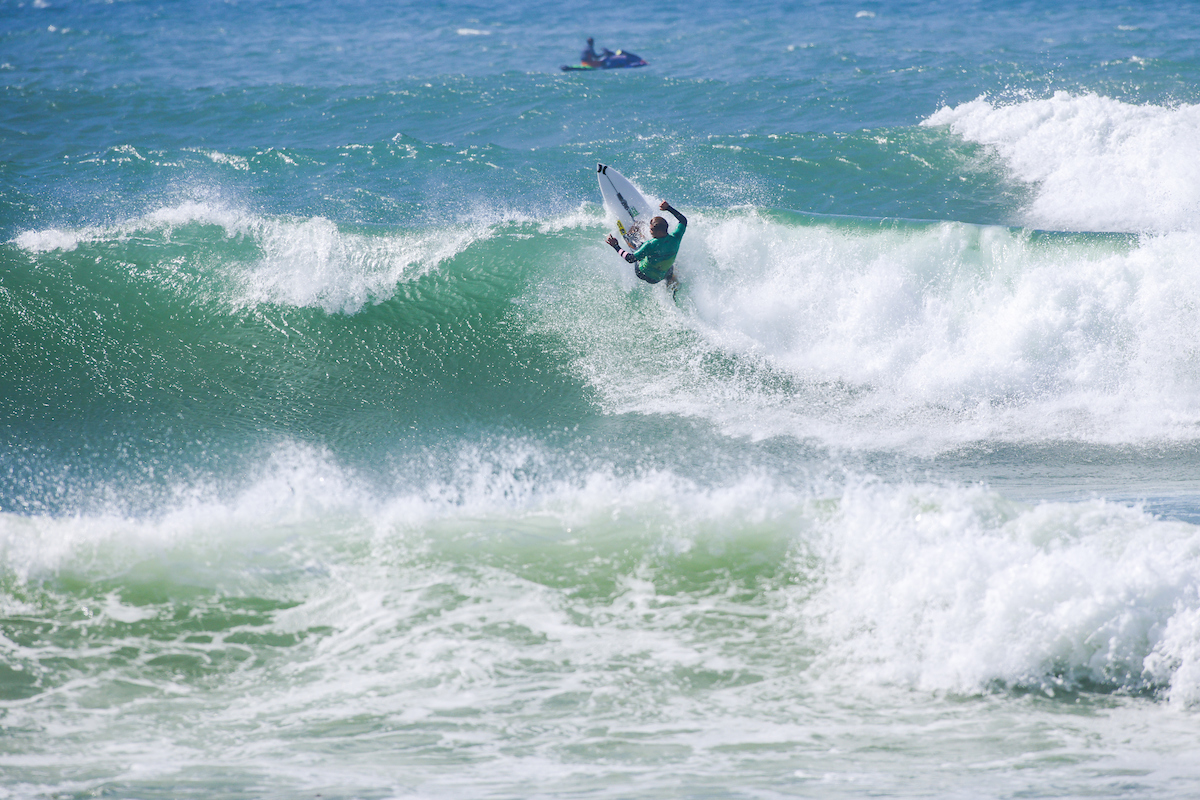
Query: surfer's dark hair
point(658, 222)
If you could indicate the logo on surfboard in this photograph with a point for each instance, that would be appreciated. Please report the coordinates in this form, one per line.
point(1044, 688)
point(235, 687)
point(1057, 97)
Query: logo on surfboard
point(632, 211)
point(634, 236)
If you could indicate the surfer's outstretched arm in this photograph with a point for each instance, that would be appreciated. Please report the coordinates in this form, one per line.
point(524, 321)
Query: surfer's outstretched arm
point(615, 245)
point(665, 206)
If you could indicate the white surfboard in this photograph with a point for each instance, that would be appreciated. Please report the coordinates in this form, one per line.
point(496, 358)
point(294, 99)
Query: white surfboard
point(627, 204)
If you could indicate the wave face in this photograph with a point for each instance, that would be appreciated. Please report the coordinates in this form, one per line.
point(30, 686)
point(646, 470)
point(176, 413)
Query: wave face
point(340, 456)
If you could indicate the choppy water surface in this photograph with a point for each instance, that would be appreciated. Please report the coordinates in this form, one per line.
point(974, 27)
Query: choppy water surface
point(339, 456)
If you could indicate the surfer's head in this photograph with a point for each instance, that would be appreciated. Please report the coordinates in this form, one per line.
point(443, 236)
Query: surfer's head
point(658, 227)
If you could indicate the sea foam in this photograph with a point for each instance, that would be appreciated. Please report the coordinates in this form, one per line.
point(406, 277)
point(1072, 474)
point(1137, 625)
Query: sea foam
point(920, 336)
point(1098, 164)
point(940, 588)
point(956, 589)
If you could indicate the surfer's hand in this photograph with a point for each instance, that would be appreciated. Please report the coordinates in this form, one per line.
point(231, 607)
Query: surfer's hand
point(611, 241)
point(664, 206)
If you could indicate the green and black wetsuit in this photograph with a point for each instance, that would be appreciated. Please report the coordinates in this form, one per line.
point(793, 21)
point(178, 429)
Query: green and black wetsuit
point(655, 259)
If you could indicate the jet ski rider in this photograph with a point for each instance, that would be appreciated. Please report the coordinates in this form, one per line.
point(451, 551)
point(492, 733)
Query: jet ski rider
point(590, 58)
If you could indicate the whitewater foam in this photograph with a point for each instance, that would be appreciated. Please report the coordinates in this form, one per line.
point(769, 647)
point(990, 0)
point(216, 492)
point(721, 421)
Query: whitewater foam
point(941, 588)
point(293, 485)
point(919, 336)
point(1098, 164)
point(955, 589)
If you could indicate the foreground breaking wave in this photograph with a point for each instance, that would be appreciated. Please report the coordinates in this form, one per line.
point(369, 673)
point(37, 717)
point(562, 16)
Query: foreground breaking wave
point(499, 579)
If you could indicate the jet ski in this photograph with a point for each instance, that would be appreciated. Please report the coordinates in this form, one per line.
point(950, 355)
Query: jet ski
point(610, 60)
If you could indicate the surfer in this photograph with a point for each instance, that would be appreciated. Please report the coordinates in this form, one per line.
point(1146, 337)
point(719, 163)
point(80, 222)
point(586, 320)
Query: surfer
point(655, 259)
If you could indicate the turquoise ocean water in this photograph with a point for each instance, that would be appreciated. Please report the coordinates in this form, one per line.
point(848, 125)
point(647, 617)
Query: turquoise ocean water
point(340, 458)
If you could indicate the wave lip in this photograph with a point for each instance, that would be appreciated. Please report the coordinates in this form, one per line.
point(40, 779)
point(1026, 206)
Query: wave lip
point(286, 261)
point(1098, 164)
point(958, 590)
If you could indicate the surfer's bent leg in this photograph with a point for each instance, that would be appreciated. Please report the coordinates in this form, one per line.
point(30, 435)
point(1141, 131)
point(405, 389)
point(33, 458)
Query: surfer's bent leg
point(670, 277)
